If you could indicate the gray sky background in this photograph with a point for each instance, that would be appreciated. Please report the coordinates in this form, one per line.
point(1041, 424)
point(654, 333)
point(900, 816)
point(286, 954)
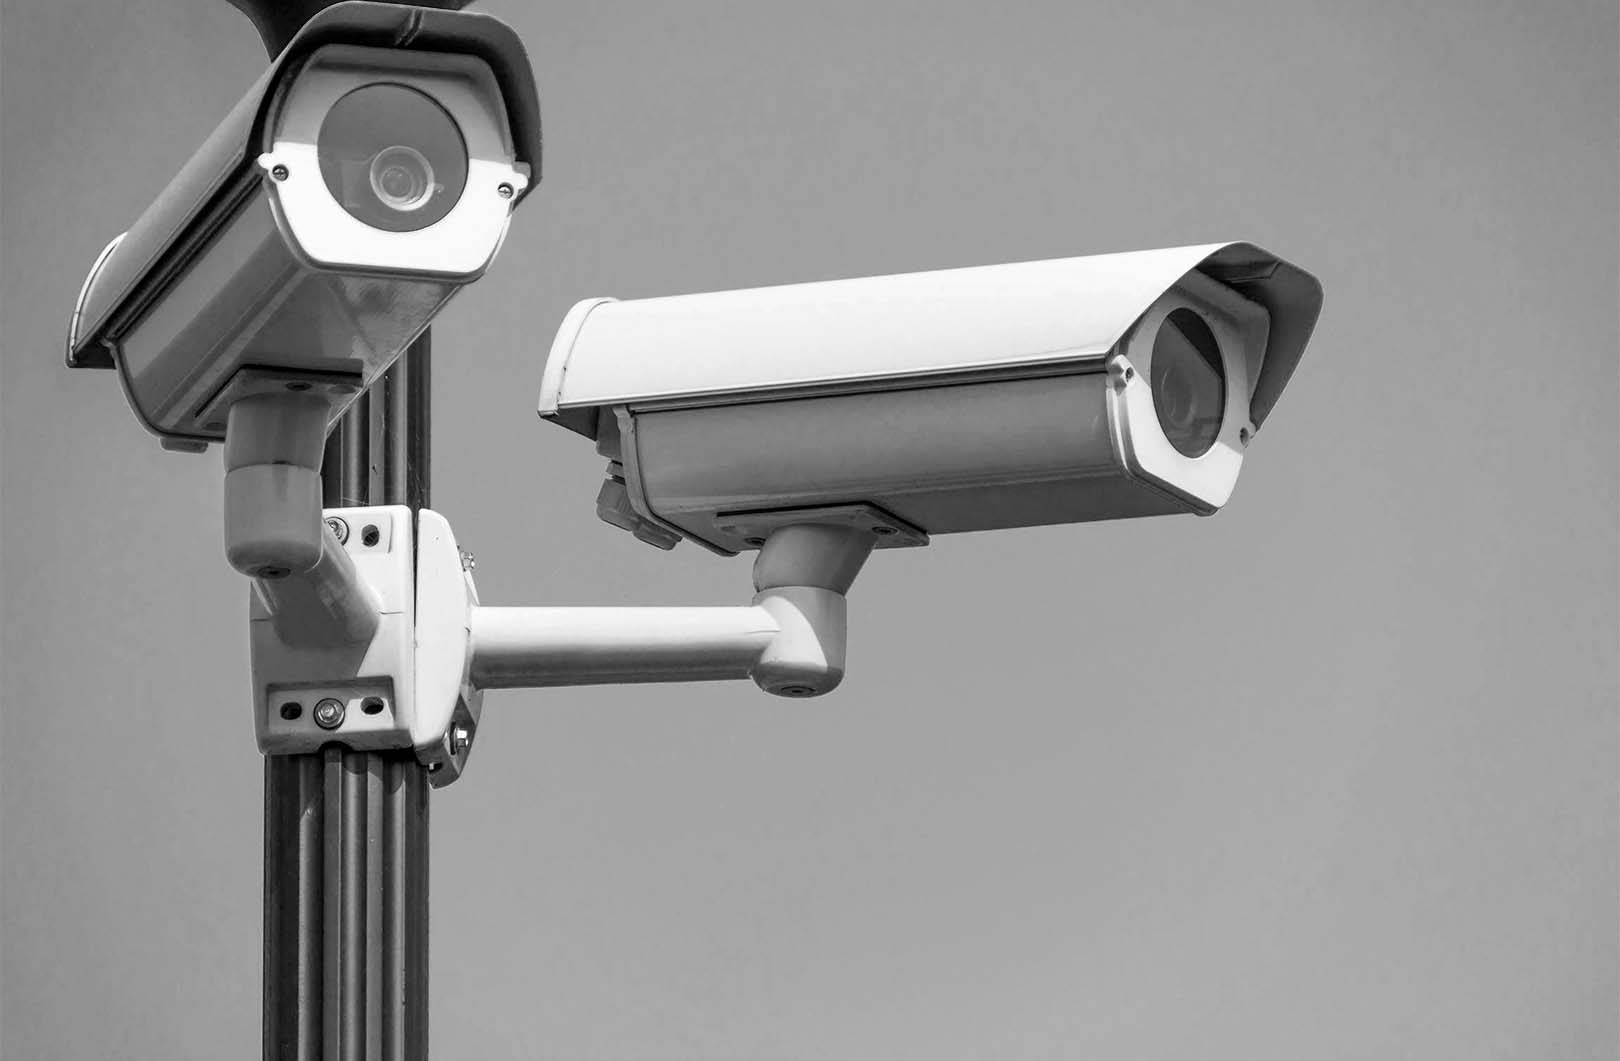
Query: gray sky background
point(1330, 775)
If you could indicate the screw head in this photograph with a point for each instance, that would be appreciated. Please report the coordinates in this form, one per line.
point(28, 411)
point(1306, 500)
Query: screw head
point(505, 191)
point(468, 561)
point(340, 528)
point(329, 713)
point(279, 171)
point(460, 739)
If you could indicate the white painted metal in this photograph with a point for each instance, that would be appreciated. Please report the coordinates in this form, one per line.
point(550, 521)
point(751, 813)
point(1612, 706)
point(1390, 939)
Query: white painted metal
point(1240, 328)
point(446, 700)
point(382, 668)
point(461, 244)
point(868, 332)
point(282, 278)
point(515, 648)
point(958, 400)
point(790, 640)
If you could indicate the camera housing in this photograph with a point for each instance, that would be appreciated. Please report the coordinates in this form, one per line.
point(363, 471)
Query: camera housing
point(1062, 391)
point(367, 176)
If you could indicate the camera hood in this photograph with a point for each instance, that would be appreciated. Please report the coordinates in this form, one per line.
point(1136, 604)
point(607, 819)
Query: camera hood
point(887, 332)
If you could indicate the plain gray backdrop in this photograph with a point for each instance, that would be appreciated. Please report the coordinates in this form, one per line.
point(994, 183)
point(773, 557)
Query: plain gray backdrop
point(1330, 775)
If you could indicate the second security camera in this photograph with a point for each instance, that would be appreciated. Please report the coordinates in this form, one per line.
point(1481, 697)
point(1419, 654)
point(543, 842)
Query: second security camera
point(1062, 391)
point(367, 176)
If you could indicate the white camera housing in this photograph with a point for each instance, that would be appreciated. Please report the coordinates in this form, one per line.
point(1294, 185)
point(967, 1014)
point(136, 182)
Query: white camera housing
point(248, 275)
point(924, 403)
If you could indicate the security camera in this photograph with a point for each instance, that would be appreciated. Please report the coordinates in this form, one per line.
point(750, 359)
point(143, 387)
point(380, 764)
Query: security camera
point(1062, 391)
point(366, 177)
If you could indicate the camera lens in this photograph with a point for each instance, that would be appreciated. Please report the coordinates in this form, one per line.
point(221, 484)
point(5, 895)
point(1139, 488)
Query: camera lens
point(1189, 383)
point(401, 177)
point(392, 157)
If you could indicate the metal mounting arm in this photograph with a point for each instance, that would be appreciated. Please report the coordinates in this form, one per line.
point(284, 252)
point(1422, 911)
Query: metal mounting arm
point(790, 640)
point(274, 531)
point(418, 681)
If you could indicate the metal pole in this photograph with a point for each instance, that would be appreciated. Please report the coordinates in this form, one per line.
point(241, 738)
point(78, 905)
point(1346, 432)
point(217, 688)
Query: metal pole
point(346, 832)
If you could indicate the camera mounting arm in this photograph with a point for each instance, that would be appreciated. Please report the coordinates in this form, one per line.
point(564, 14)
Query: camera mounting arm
point(377, 639)
point(274, 530)
point(790, 640)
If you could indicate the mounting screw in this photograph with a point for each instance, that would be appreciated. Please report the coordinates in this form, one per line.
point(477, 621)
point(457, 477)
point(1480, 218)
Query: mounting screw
point(505, 191)
point(460, 739)
point(468, 562)
point(279, 171)
point(340, 528)
point(329, 713)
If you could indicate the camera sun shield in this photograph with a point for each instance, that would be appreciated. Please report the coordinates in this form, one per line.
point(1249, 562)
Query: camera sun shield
point(1060, 391)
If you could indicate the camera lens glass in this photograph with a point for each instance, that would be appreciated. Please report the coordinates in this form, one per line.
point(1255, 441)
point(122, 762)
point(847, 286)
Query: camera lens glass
point(392, 157)
point(1189, 383)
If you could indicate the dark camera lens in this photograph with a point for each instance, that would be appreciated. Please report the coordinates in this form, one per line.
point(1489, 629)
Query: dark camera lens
point(1189, 383)
point(392, 157)
point(401, 178)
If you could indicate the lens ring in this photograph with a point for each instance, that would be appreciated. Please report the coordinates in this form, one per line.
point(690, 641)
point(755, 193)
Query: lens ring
point(393, 157)
point(401, 178)
point(1188, 381)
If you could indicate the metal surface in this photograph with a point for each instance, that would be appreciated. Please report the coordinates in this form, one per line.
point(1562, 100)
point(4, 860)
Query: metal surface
point(346, 833)
point(345, 906)
point(912, 329)
point(161, 245)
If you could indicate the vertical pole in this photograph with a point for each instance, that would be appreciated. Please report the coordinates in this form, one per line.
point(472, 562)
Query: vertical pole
point(346, 832)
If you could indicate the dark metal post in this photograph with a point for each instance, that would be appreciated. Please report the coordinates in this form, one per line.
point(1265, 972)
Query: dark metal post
point(346, 832)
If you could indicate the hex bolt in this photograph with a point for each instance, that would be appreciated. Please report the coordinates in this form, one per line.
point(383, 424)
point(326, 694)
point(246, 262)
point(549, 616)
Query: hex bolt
point(329, 713)
point(460, 739)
